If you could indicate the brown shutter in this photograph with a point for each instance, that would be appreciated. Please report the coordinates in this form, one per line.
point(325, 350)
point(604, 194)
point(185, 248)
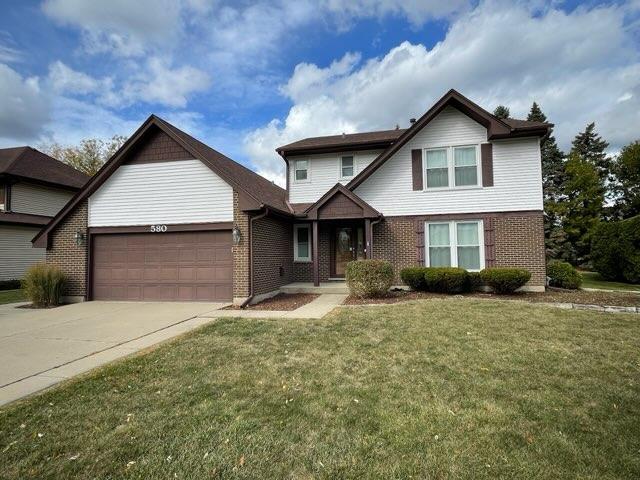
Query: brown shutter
point(489, 242)
point(486, 150)
point(419, 224)
point(416, 169)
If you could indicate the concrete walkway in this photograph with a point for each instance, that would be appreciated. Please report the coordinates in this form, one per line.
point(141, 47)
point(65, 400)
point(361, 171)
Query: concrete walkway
point(39, 348)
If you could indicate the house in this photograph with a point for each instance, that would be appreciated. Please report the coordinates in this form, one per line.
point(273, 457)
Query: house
point(33, 188)
point(169, 218)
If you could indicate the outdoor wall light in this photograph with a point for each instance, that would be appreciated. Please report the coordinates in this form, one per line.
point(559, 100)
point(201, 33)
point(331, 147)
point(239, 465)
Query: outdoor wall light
point(236, 235)
point(81, 238)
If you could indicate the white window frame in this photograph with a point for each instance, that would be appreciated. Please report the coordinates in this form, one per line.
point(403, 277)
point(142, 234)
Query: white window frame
point(345, 177)
point(296, 256)
point(451, 172)
point(453, 241)
point(295, 168)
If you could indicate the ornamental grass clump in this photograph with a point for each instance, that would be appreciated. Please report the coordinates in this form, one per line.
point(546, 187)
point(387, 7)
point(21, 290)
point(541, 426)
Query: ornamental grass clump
point(43, 285)
point(369, 278)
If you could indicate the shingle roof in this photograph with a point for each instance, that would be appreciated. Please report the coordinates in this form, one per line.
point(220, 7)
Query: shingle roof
point(29, 163)
point(24, 219)
point(382, 137)
point(524, 124)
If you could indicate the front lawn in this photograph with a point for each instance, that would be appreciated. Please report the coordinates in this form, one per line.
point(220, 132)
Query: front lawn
point(11, 296)
point(594, 280)
point(442, 388)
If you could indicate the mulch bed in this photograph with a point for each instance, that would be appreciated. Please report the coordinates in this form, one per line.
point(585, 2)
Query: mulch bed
point(282, 302)
point(552, 295)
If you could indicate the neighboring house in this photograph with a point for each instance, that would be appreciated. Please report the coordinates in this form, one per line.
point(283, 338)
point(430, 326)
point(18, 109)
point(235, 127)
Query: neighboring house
point(33, 188)
point(169, 218)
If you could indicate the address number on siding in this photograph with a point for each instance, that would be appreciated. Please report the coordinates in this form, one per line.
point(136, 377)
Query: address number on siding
point(158, 228)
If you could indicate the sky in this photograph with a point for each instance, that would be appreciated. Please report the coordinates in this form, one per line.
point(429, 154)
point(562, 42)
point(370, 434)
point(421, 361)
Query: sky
point(247, 77)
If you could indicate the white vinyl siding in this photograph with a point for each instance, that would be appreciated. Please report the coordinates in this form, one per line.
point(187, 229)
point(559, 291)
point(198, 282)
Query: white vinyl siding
point(184, 191)
point(455, 244)
point(325, 171)
point(16, 252)
point(37, 199)
point(517, 176)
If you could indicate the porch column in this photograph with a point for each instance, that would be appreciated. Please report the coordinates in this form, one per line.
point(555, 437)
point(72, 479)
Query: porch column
point(367, 238)
point(316, 260)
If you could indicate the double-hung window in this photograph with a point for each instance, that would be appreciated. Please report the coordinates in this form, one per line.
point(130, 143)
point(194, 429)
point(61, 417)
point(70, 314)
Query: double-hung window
point(301, 170)
point(346, 166)
point(301, 243)
point(450, 167)
point(455, 244)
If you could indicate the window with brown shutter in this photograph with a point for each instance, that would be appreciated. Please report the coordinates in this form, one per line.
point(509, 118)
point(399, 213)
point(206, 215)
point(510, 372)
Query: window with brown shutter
point(416, 169)
point(486, 151)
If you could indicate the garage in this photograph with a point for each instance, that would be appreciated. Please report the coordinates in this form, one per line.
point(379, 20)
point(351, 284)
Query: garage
point(170, 266)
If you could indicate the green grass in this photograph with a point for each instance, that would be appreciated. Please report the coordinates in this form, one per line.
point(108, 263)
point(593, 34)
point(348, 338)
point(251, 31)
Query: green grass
point(594, 280)
point(432, 389)
point(11, 296)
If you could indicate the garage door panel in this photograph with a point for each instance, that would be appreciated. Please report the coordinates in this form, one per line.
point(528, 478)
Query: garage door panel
point(172, 266)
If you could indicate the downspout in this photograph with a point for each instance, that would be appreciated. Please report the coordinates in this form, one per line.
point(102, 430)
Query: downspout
point(371, 234)
point(251, 220)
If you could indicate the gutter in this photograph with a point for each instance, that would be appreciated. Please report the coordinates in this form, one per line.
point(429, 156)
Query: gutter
point(251, 288)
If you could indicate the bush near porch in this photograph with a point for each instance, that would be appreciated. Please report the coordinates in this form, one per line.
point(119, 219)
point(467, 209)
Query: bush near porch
point(369, 278)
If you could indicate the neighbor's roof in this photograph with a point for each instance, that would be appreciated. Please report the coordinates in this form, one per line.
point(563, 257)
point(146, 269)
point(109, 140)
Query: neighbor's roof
point(29, 163)
point(377, 139)
point(23, 219)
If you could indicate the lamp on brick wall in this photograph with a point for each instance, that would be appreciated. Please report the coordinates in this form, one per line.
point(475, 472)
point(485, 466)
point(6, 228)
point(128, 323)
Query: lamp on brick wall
point(236, 235)
point(81, 238)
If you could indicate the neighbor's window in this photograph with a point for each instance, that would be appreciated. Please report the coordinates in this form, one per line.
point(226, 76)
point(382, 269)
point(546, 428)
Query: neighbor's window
point(301, 243)
point(465, 166)
point(346, 166)
point(302, 170)
point(437, 168)
point(2, 197)
point(455, 244)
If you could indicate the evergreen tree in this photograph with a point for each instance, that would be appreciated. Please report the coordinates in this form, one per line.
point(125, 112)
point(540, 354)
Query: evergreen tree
point(627, 187)
point(552, 185)
point(581, 208)
point(501, 111)
point(591, 147)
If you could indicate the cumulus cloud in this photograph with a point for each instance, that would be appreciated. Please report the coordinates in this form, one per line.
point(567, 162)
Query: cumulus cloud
point(580, 67)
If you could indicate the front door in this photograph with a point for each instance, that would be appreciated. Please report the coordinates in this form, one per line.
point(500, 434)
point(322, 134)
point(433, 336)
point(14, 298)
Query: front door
point(348, 245)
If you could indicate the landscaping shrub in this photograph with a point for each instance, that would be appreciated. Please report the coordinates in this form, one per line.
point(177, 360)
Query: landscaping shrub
point(615, 250)
point(563, 275)
point(43, 285)
point(10, 284)
point(446, 279)
point(505, 280)
point(369, 278)
point(414, 277)
point(475, 281)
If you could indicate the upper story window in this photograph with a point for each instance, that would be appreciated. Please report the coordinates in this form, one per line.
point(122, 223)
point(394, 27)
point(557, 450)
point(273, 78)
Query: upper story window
point(346, 166)
point(301, 243)
point(301, 168)
point(455, 244)
point(449, 167)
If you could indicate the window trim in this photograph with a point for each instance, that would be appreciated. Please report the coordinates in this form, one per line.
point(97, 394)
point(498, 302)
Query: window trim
point(295, 169)
point(296, 257)
point(451, 170)
point(346, 177)
point(453, 240)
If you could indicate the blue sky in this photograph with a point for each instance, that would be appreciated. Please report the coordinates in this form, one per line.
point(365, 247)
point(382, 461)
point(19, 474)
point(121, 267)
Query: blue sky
point(246, 77)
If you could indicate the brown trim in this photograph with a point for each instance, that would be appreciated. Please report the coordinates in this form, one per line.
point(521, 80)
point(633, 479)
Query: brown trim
point(416, 169)
point(367, 210)
point(486, 159)
point(175, 227)
point(12, 178)
point(367, 238)
point(316, 259)
point(342, 147)
point(89, 266)
point(15, 218)
point(469, 216)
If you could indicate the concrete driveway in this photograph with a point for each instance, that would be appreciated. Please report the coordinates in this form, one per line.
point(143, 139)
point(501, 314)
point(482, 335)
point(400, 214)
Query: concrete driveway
point(39, 348)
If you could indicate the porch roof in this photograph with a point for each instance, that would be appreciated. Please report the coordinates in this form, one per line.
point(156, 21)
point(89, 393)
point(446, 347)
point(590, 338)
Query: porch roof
point(340, 203)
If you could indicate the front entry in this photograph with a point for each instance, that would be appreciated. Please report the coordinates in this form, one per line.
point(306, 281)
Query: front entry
point(348, 244)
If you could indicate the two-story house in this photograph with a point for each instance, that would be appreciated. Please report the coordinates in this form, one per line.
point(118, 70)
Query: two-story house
point(169, 218)
point(33, 188)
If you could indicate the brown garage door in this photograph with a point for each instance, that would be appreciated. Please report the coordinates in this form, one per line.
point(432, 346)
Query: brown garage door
point(178, 266)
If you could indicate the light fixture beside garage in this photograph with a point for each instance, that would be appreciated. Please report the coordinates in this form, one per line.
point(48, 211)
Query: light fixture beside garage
point(236, 235)
point(81, 238)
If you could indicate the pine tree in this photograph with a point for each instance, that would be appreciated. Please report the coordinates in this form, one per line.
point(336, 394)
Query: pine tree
point(627, 186)
point(591, 147)
point(501, 111)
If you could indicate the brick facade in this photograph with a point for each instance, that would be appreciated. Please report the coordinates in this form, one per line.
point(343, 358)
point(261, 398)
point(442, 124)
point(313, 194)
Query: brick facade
point(67, 254)
point(394, 239)
point(272, 254)
point(241, 286)
point(303, 271)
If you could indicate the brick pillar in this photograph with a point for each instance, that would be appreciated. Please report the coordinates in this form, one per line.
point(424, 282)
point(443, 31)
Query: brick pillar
point(241, 286)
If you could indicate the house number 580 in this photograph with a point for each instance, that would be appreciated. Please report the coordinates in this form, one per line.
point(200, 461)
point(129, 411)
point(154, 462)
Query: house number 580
point(158, 228)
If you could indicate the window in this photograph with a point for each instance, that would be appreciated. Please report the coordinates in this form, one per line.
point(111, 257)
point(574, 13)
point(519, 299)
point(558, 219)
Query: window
point(301, 243)
point(457, 163)
point(346, 166)
point(301, 170)
point(437, 168)
point(455, 244)
point(2, 197)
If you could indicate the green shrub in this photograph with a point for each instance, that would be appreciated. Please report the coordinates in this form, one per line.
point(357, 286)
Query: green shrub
point(10, 284)
point(563, 275)
point(615, 250)
point(369, 278)
point(43, 285)
point(505, 280)
point(446, 279)
point(414, 277)
point(475, 281)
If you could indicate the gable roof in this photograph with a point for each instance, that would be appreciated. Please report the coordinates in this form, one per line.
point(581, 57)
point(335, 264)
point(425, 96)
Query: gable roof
point(31, 164)
point(338, 189)
point(346, 141)
point(258, 191)
point(496, 129)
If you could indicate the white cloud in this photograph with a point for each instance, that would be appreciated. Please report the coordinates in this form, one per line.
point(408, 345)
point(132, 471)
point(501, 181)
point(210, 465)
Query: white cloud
point(498, 53)
point(25, 107)
point(66, 80)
